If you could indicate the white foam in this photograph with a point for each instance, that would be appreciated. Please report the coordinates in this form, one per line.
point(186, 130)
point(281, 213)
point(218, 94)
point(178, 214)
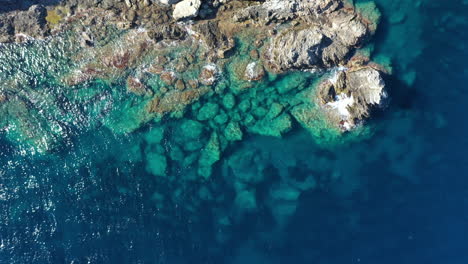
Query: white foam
point(141, 30)
point(341, 104)
point(335, 72)
point(211, 67)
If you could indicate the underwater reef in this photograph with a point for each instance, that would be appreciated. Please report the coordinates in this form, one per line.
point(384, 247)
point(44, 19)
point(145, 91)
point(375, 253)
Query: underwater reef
point(195, 79)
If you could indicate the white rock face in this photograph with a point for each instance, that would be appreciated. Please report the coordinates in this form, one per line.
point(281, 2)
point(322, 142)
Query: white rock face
point(297, 49)
point(367, 84)
point(325, 43)
point(186, 9)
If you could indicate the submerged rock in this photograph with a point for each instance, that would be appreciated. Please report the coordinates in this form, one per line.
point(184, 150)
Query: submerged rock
point(254, 72)
point(208, 74)
point(135, 86)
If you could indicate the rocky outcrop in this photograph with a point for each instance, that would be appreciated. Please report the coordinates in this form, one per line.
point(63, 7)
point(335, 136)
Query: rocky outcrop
point(11, 5)
point(186, 9)
point(284, 10)
point(297, 49)
point(213, 37)
point(326, 38)
point(23, 24)
point(349, 95)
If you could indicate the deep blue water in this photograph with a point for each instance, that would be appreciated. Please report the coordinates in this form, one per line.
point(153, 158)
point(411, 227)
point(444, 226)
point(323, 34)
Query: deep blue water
point(90, 204)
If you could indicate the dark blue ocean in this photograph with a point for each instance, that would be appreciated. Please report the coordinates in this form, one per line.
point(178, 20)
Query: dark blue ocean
point(404, 200)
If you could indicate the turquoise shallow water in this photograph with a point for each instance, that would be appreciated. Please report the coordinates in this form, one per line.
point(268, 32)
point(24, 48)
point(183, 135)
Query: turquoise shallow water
point(400, 195)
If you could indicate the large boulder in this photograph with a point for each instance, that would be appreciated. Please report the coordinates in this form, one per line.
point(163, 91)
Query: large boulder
point(186, 9)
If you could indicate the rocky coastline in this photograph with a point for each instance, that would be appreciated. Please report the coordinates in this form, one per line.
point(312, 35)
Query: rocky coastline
point(196, 76)
point(176, 56)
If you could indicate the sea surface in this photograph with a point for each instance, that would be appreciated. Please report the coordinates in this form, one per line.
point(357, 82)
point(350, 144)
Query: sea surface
point(401, 196)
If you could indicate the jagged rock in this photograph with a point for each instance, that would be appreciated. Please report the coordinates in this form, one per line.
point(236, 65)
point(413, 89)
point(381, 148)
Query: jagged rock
point(214, 38)
point(168, 77)
point(24, 24)
point(207, 112)
point(269, 10)
point(284, 10)
point(367, 85)
point(186, 9)
point(209, 155)
point(180, 85)
point(325, 40)
point(208, 74)
point(297, 49)
point(350, 93)
point(274, 127)
point(254, 54)
point(233, 132)
point(134, 85)
point(7, 29)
